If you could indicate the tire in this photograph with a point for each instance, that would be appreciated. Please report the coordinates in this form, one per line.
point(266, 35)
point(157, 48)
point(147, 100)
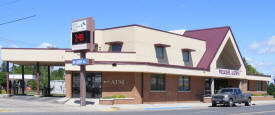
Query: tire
point(248, 103)
point(230, 103)
point(214, 104)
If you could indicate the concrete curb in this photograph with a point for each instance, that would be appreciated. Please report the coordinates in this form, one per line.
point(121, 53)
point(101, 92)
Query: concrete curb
point(4, 95)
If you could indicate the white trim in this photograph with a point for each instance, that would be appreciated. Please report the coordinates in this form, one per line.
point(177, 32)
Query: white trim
point(184, 91)
point(155, 91)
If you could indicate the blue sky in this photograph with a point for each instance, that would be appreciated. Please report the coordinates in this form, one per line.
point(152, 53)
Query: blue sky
point(252, 21)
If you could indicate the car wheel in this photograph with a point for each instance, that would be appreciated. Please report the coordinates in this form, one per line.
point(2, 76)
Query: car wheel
point(214, 104)
point(248, 103)
point(230, 103)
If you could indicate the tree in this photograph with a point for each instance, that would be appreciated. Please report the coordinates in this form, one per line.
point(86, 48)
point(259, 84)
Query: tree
point(270, 89)
point(250, 69)
point(3, 67)
point(2, 79)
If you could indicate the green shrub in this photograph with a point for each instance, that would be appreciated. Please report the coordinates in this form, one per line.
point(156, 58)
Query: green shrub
point(121, 96)
point(3, 92)
point(114, 96)
point(273, 94)
point(0, 89)
point(107, 97)
point(260, 94)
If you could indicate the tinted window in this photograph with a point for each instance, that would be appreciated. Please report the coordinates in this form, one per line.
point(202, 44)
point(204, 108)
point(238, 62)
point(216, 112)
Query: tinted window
point(226, 91)
point(183, 83)
point(159, 52)
point(157, 82)
point(186, 56)
point(240, 92)
point(116, 47)
point(259, 86)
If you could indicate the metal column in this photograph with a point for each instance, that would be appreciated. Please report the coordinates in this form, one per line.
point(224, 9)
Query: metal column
point(49, 83)
point(37, 78)
point(7, 79)
point(23, 80)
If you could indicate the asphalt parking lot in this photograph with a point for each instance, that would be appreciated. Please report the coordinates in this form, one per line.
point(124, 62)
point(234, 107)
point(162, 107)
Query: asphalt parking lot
point(29, 107)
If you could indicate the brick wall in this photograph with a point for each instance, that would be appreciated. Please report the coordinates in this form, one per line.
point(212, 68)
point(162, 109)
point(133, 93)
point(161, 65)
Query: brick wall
point(244, 86)
point(122, 83)
point(253, 90)
point(68, 84)
point(171, 93)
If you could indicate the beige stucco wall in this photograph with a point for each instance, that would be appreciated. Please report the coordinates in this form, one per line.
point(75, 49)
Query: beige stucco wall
point(146, 38)
point(29, 56)
point(126, 35)
point(141, 40)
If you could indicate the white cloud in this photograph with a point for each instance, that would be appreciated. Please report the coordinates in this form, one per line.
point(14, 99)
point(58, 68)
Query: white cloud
point(13, 46)
point(256, 64)
point(265, 46)
point(254, 45)
point(46, 45)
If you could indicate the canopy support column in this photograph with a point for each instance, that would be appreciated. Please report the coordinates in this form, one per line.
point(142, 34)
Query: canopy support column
point(49, 81)
point(23, 80)
point(37, 78)
point(7, 78)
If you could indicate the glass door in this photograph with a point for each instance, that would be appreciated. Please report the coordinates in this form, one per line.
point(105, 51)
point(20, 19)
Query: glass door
point(93, 85)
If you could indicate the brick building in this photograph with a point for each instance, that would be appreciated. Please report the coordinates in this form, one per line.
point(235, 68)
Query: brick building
point(150, 65)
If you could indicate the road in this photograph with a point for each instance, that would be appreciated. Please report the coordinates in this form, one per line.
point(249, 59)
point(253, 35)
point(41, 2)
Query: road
point(15, 107)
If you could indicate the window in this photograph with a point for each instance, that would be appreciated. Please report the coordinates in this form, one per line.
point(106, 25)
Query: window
point(157, 82)
point(184, 83)
point(160, 52)
point(116, 47)
point(259, 86)
point(186, 56)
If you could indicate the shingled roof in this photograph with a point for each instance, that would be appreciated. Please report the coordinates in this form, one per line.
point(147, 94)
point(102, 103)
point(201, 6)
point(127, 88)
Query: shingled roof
point(214, 38)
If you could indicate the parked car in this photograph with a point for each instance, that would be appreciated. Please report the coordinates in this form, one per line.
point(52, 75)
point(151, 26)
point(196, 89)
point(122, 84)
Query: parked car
point(231, 96)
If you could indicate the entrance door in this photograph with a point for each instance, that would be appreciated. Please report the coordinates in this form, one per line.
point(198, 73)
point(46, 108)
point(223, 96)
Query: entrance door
point(220, 83)
point(93, 85)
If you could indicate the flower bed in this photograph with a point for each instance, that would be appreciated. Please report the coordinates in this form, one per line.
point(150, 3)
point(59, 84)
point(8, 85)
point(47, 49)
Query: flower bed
point(112, 101)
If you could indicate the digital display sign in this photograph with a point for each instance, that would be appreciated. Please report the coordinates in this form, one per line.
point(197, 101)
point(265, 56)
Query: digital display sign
point(81, 37)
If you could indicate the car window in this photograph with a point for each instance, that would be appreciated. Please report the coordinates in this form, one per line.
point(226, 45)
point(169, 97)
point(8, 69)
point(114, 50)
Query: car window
point(239, 91)
point(235, 91)
point(226, 91)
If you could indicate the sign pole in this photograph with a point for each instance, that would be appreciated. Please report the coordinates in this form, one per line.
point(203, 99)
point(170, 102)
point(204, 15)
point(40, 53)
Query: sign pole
point(82, 80)
point(82, 42)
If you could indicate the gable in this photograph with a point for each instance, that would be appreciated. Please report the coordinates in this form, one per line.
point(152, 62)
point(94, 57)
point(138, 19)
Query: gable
point(213, 37)
point(228, 55)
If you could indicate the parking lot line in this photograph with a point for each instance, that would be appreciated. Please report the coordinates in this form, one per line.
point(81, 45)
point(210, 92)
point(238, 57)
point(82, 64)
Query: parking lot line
point(5, 110)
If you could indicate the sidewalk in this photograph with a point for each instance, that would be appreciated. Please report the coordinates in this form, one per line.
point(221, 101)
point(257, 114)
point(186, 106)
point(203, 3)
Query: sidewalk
point(171, 106)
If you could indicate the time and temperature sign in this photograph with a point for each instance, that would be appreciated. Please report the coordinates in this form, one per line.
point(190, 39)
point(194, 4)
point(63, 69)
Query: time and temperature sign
point(82, 34)
point(81, 37)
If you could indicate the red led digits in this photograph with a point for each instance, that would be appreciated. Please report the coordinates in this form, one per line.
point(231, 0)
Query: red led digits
point(79, 37)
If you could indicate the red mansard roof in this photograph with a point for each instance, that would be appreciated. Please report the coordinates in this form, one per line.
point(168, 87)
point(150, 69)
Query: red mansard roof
point(213, 37)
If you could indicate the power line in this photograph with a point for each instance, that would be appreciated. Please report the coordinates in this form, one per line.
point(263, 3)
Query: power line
point(17, 20)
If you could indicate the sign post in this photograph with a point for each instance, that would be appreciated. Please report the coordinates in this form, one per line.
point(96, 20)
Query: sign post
point(82, 41)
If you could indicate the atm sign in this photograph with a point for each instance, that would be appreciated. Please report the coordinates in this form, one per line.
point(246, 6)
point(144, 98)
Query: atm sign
point(81, 37)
